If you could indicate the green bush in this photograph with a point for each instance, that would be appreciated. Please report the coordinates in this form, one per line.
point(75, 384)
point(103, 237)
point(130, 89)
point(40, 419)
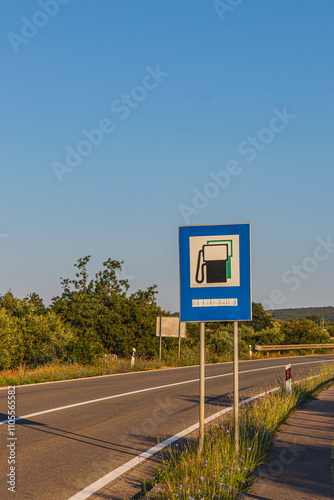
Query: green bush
point(304, 331)
point(272, 335)
point(221, 341)
point(84, 348)
point(11, 341)
point(29, 334)
point(104, 317)
point(45, 338)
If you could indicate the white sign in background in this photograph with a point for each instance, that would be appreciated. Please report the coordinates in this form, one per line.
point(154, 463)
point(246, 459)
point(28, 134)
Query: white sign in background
point(204, 250)
point(170, 327)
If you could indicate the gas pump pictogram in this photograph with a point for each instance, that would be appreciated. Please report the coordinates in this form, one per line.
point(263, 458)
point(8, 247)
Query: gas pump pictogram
point(212, 263)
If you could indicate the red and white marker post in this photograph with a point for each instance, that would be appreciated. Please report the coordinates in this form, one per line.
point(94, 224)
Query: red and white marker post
point(288, 379)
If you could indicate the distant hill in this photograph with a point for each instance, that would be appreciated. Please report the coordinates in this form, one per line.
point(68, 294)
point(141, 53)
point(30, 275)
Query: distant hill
point(302, 312)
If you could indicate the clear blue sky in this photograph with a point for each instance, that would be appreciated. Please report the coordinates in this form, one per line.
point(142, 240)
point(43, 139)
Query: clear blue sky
point(180, 89)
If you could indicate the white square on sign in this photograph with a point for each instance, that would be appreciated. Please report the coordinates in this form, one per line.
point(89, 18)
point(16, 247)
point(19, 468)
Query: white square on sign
point(214, 261)
point(215, 252)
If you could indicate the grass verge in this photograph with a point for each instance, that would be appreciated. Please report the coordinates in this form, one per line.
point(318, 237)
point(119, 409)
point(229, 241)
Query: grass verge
point(220, 472)
point(65, 371)
point(107, 365)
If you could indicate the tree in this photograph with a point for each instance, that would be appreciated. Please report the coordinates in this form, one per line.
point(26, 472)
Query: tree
point(271, 335)
point(304, 331)
point(260, 317)
point(103, 316)
point(11, 342)
point(29, 335)
point(14, 306)
point(35, 301)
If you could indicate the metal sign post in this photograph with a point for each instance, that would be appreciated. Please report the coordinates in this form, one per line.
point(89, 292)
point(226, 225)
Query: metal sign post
point(179, 351)
point(201, 385)
point(236, 385)
point(160, 343)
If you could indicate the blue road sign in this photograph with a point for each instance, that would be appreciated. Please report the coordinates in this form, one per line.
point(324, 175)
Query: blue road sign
point(215, 273)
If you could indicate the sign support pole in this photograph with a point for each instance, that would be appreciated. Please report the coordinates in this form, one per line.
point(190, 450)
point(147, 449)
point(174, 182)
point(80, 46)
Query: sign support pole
point(202, 386)
point(215, 285)
point(160, 344)
point(179, 351)
point(236, 385)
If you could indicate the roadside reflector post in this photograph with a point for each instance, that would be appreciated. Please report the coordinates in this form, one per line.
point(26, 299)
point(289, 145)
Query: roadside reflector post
point(288, 379)
point(250, 352)
point(133, 357)
point(201, 385)
point(236, 385)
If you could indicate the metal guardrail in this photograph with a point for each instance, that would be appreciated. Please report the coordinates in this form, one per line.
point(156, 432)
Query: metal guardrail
point(291, 347)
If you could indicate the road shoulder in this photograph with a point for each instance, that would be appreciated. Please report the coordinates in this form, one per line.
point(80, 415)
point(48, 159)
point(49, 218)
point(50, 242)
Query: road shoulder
point(299, 465)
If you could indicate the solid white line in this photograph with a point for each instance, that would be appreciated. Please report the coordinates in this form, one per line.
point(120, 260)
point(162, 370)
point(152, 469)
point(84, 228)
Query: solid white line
point(154, 370)
point(108, 375)
point(51, 410)
point(111, 476)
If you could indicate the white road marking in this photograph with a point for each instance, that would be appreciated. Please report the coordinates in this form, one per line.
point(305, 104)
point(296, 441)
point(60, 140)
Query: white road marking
point(111, 476)
point(23, 386)
point(225, 363)
point(90, 401)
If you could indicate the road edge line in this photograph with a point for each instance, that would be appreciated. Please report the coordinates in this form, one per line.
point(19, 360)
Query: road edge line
point(111, 476)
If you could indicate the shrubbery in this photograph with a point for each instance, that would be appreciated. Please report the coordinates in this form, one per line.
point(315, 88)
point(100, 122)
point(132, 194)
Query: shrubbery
point(98, 316)
point(11, 341)
point(104, 317)
point(27, 337)
point(304, 331)
point(263, 330)
point(89, 318)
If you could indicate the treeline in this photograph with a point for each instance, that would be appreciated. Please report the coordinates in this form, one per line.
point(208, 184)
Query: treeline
point(98, 316)
point(90, 318)
point(327, 313)
point(274, 332)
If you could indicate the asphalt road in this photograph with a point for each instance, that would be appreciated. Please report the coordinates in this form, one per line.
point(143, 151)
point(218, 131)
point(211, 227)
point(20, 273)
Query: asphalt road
point(58, 453)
